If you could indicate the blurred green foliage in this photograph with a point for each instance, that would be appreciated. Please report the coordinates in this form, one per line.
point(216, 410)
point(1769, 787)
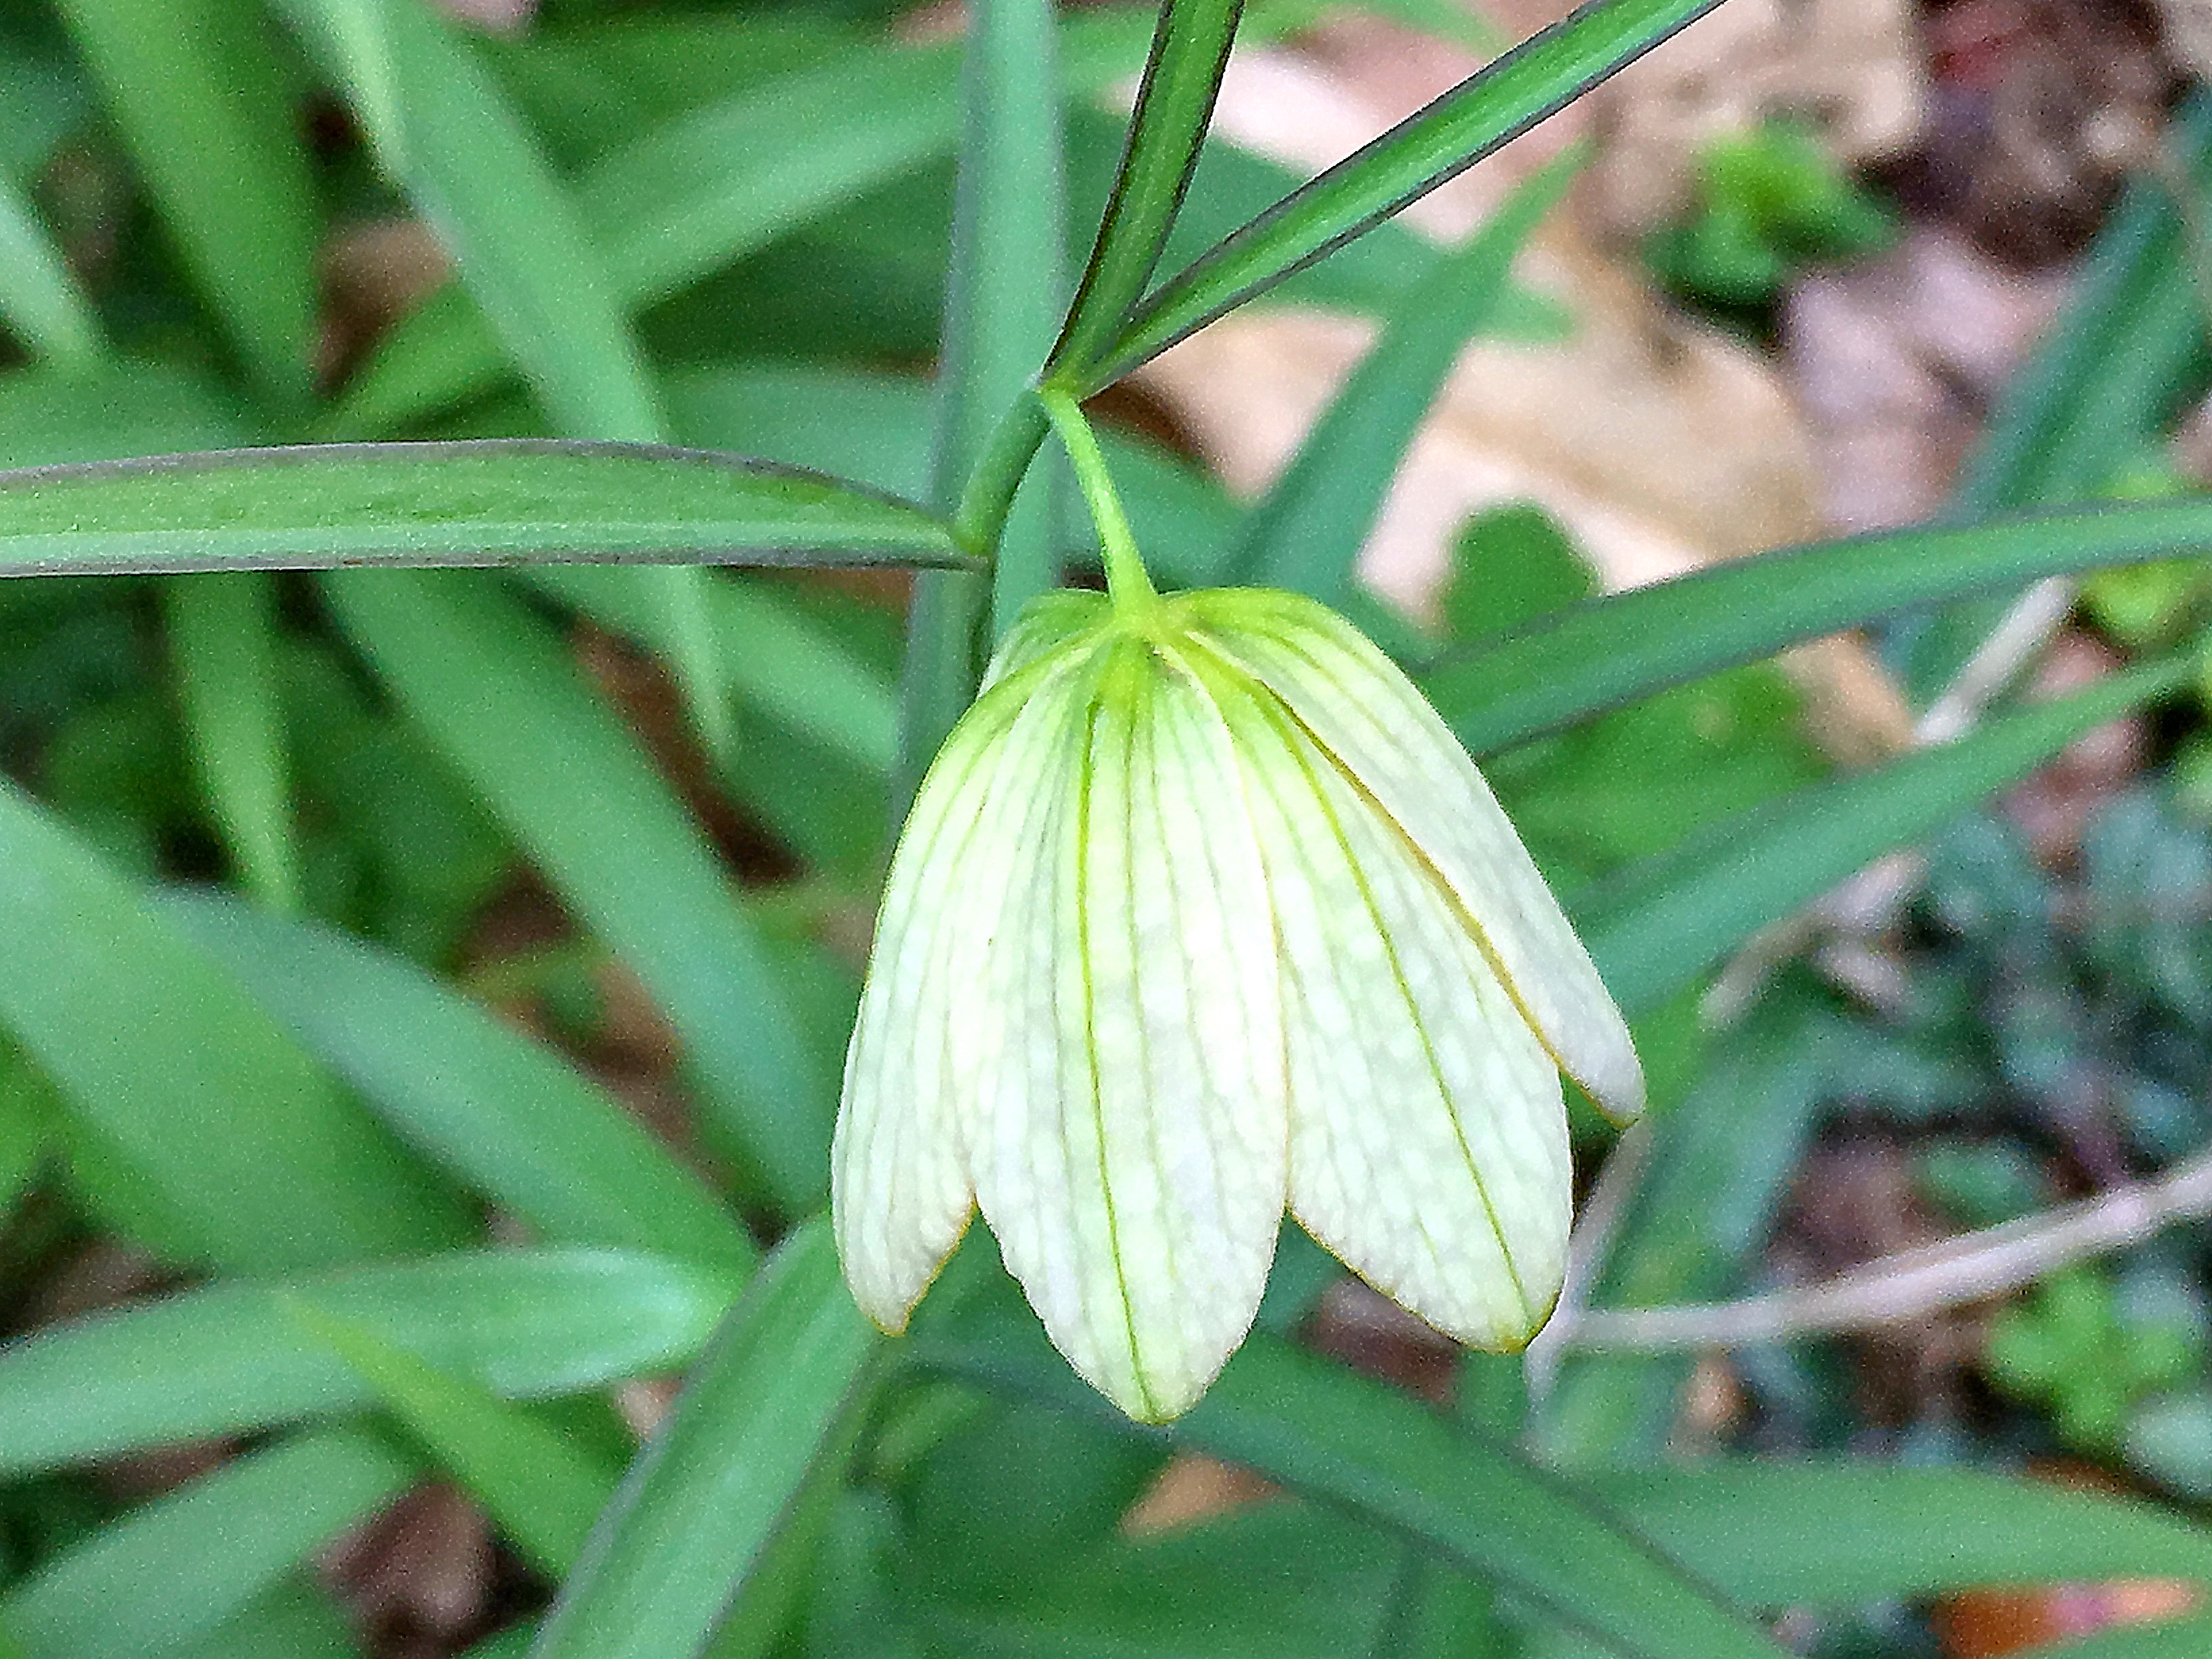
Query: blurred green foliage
point(1765, 204)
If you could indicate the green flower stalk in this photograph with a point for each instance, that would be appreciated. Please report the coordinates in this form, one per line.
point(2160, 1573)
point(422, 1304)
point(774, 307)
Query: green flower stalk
point(1202, 913)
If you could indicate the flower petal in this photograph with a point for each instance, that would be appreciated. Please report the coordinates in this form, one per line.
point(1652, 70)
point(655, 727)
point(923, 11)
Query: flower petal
point(1131, 1147)
point(899, 1188)
point(1428, 1137)
point(1363, 712)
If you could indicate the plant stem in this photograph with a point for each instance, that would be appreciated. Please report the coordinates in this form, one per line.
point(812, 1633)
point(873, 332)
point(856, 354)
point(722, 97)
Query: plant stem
point(988, 495)
point(1126, 579)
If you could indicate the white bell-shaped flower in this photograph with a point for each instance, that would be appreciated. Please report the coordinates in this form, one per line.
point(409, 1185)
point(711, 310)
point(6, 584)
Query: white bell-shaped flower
point(1202, 913)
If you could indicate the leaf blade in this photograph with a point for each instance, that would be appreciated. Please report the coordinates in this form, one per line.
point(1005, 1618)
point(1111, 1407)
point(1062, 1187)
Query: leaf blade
point(40, 299)
point(499, 695)
point(227, 1358)
point(1174, 104)
point(223, 633)
point(540, 1488)
point(699, 1506)
point(1307, 530)
point(1591, 657)
point(504, 1113)
point(197, 92)
point(487, 501)
point(252, 1144)
point(1357, 1444)
point(178, 1567)
point(1500, 102)
point(1660, 924)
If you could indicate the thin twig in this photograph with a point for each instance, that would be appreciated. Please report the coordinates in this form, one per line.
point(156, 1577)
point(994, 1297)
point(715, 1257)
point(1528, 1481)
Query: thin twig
point(2026, 627)
point(1616, 1184)
point(1911, 1284)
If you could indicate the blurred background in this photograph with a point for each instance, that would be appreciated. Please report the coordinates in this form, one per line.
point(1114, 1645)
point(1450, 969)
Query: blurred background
point(1831, 266)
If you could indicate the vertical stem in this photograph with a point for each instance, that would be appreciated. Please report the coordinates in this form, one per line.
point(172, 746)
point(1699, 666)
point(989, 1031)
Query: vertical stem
point(1002, 308)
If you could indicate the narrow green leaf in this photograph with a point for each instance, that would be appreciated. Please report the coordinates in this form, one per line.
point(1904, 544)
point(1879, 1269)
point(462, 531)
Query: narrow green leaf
point(702, 1504)
point(500, 695)
point(1003, 296)
point(490, 502)
point(2109, 377)
point(295, 1619)
point(501, 1112)
point(175, 1569)
point(228, 1359)
point(248, 1140)
point(222, 633)
point(2128, 343)
point(786, 1574)
point(537, 1487)
point(1897, 1533)
point(688, 196)
point(1175, 105)
point(197, 92)
point(876, 427)
point(1504, 99)
point(774, 659)
point(26, 1130)
point(442, 132)
point(1307, 531)
point(1659, 925)
point(707, 186)
point(51, 415)
point(1001, 304)
point(39, 300)
point(1280, 1580)
point(1592, 657)
point(1357, 1445)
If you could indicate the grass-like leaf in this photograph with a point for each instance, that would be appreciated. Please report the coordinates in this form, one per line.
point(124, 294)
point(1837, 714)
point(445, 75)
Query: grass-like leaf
point(699, 1508)
point(707, 186)
point(178, 1567)
point(1307, 530)
point(501, 1112)
point(495, 501)
point(231, 1359)
point(254, 1148)
point(1174, 104)
point(443, 132)
point(496, 692)
point(1357, 1444)
point(1001, 305)
point(541, 1488)
point(1437, 143)
point(1897, 1533)
point(295, 1619)
point(774, 657)
point(1659, 925)
point(199, 94)
point(39, 300)
point(1583, 660)
point(223, 636)
point(2112, 370)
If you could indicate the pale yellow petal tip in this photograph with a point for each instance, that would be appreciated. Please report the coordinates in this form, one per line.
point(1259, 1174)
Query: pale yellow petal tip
point(1618, 1092)
point(870, 1285)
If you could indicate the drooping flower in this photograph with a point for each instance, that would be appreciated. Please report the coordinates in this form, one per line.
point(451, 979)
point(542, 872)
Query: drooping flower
point(1202, 913)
